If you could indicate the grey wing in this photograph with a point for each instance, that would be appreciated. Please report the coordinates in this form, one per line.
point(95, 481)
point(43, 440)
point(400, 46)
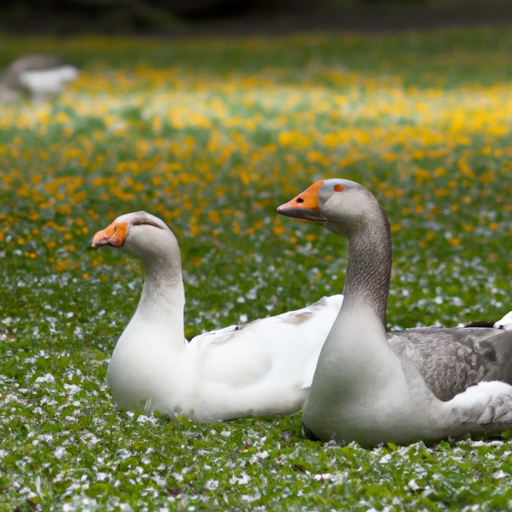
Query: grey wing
point(453, 359)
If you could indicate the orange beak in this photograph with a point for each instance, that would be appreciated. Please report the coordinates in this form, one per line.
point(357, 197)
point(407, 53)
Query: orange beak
point(113, 235)
point(305, 205)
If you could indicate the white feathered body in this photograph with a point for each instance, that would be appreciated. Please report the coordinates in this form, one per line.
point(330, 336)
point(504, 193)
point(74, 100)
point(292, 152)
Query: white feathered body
point(48, 81)
point(263, 368)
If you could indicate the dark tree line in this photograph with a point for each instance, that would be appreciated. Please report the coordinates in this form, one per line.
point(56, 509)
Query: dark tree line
point(150, 11)
point(63, 16)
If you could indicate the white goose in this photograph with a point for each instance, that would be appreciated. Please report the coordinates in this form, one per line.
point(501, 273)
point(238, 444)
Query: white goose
point(362, 389)
point(37, 76)
point(263, 368)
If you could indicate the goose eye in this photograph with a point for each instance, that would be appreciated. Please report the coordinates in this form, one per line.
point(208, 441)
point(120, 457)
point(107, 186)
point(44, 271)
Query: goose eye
point(338, 188)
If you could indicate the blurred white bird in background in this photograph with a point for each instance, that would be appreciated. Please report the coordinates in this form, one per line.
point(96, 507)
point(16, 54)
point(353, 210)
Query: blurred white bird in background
point(37, 76)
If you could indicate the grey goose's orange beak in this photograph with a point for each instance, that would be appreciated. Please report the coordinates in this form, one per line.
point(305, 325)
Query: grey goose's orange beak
point(305, 206)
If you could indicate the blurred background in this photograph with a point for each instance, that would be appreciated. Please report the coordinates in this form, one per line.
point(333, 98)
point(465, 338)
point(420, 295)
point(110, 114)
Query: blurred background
point(181, 18)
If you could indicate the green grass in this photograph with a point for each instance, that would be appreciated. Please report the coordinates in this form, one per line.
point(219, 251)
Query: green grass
point(212, 136)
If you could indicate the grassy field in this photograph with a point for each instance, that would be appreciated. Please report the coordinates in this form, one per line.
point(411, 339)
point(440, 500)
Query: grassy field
point(211, 136)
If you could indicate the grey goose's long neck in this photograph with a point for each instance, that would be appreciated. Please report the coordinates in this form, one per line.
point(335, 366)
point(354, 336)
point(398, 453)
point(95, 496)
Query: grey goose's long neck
point(369, 264)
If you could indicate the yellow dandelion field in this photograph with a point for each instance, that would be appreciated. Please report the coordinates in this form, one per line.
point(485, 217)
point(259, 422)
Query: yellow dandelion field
point(212, 139)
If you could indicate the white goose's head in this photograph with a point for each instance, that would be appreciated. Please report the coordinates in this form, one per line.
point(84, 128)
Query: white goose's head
point(338, 204)
point(140, 234)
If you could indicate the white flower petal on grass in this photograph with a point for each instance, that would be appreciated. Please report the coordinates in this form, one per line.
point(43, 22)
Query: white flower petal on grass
point(48, 377)
point(147, 419)
point(329, 477)
point(251, 497)
point(242, 480)
point(59, 452)
point(212, 485)
point(413, 485)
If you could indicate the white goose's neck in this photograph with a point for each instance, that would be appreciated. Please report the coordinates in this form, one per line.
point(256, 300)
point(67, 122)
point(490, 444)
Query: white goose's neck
point(162, 301)
point(163, 294)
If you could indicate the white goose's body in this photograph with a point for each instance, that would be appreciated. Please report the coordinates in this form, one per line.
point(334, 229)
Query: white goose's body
point(263, 368)
point(363, 390)
point(37, 76)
